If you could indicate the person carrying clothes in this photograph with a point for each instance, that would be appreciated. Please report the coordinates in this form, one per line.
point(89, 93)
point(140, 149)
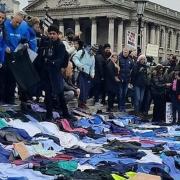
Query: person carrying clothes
point(139, 78)
point(126, 66)
point(158, 90)
point(112, 80)
point(175, 95)
point(85, 62)
point(54, 61)
point(33, 25)
point(14, 35)
point(2, 53)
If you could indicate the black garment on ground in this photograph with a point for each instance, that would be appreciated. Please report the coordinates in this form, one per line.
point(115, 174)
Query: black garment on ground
point(23, 70)
point(129, 147)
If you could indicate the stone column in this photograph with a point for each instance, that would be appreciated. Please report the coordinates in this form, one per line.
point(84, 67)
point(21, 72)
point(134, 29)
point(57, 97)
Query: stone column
point(94, 31)
point(111, 32)
point(144, 38)
point(61, 26)
point(120, 36)
point(77, 26)
point(158, 35)
point(174, 40)
point(152, 37)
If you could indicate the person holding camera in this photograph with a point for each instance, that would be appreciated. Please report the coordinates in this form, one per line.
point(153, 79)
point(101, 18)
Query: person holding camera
point(55, 59)
point(139, 78)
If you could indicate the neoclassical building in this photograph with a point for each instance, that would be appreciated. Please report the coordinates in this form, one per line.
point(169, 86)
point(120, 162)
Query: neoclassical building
point(102, 21)
point(12, 6)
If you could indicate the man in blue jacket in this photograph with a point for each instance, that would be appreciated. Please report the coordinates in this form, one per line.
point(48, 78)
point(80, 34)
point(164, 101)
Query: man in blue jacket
point(14, 35)
point(126, 66)
point(2, 52)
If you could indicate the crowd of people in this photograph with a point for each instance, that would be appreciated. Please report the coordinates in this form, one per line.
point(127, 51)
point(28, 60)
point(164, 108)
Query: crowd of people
point(68, 68)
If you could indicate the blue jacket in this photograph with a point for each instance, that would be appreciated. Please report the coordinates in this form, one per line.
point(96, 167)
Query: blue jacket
point(30, 35)
point(85, 63)
point(14, 35)
point(2, 46)
point(126, 66)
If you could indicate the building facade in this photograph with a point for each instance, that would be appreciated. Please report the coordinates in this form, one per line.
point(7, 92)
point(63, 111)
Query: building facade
point(102, 21)
point(12, 6)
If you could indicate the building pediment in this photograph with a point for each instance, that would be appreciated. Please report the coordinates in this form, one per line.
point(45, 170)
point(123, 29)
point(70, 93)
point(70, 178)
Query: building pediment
point(54, 4)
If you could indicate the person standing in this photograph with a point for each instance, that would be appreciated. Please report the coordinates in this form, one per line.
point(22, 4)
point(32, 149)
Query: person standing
point(54, 61)
point(126, 66)
point(139, 78)
point(14, 35)
point(2, 53)
point(112, 80)
point(158, 90)
point(84, 60)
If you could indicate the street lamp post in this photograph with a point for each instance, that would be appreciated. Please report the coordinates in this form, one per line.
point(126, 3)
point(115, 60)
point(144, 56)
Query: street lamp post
point(140, 6)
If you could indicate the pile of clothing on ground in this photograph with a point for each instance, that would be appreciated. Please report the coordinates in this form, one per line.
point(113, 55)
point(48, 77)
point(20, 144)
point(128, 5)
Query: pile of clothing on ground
point(94, 147)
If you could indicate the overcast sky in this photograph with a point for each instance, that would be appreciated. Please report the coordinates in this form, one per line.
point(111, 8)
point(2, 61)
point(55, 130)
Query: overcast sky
point(173, 4)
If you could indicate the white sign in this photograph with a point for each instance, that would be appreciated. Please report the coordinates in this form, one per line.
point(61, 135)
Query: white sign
point(169, 115)
point(152, 50)
point(132, 39)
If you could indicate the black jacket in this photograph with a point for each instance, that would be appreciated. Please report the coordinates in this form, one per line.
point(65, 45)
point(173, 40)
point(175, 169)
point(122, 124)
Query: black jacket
point(111, 83)
point(55, 60)
point(158, 85)
point(100, 67)
point(126, 66)
point(139, 75)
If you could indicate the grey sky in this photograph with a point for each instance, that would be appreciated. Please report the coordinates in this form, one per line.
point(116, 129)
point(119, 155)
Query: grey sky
point(173, 4)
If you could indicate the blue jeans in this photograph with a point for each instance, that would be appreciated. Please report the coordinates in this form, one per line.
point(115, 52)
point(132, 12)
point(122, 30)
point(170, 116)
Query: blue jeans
point(122, 95)
point(139, 95)
point(84, 86)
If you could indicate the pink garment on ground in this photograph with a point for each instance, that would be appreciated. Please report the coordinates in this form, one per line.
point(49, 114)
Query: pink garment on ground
point(174, 86)
point(68, 128)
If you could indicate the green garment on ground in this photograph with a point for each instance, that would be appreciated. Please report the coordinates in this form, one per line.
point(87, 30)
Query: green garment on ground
point(66, 168)
point(3, 123)
point(68, 165)
point(128, 175)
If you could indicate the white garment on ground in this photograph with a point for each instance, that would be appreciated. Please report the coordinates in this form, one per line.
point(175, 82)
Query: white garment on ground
point(68, 140)
point(149, 158)
point(8, 170)
point(85, 167)
point(29, 127)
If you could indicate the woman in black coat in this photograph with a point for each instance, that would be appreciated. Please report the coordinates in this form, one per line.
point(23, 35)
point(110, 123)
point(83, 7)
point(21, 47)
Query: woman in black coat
point(158, 90)
point(112, 80)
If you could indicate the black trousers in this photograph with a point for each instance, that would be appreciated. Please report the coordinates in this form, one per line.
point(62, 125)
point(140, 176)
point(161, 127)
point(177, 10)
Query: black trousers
point(159, 107)
point(111, 99)
point(9, 85)
point(2, 84)
point(49, 99)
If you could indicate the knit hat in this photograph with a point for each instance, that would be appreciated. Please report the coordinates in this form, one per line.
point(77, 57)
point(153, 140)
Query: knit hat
point(95, 47)
point(69, 31)
point(53, 28)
